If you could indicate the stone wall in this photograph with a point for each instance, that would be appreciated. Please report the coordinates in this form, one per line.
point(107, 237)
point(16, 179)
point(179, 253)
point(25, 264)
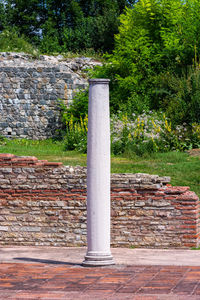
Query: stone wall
point(43, 203)
point(30, 88)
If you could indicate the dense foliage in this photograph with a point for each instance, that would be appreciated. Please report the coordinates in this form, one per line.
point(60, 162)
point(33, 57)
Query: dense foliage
point(61, 26)
point(154, 67)
point(155, 63)
point(11, 41)
point(145, 133)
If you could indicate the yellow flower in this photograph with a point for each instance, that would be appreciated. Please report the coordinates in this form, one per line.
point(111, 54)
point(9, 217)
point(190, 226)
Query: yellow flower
point(124, 119)
point(79, 128)
point(85, 122)
point(168, 126)
point(158, 129)
point(196, 129)
point(71, 121)
point(82, 126)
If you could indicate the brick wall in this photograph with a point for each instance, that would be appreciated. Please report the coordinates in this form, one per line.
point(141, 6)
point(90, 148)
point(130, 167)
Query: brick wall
point(44, 203)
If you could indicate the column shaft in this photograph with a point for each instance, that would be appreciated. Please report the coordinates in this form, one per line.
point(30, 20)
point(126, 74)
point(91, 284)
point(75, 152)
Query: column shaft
point(98, 175)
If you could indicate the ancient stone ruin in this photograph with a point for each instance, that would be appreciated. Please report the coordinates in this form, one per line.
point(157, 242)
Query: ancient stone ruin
point(30, 89)
point(43, 203)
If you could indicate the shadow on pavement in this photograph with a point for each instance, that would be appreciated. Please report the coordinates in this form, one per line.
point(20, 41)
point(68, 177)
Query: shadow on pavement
point(46, 261)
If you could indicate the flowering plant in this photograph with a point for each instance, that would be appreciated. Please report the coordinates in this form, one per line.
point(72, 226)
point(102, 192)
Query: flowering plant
point(151, 132)
point(146, 133)
point(76, 134)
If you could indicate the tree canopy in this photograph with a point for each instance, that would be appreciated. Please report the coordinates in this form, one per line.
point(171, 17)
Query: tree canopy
point(155, 62)
point(65, 25)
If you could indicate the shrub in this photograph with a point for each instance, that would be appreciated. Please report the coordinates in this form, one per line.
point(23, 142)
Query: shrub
point(195, 137)
point(74, 113)
point(79, 107)
point(76, 134)
point(156, 39)
point(142, 134)
point(151, 132)
point(181, 96)
point(11, 41)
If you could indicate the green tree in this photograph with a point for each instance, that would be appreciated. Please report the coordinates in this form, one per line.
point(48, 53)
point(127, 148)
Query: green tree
point(59, 25)
point(156, 37)
point(2, 17)
point(25, 16)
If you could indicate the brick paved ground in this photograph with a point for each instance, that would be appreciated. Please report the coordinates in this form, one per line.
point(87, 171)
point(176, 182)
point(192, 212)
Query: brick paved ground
point(68, 281)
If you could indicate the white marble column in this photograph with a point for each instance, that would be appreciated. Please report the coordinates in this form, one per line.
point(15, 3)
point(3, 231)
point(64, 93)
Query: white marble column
point(98, 175)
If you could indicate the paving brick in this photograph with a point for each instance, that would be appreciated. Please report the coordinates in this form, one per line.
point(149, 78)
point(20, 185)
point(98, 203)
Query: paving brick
point(45, 281)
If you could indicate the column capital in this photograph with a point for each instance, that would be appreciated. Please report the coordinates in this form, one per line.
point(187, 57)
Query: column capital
point(99, 81)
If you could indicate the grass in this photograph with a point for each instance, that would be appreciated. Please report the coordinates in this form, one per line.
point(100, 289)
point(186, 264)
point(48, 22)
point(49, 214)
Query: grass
point(46, 149)
point(183, 169)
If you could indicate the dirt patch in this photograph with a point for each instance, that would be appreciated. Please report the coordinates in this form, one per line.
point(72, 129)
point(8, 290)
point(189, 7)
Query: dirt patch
point(194, 152)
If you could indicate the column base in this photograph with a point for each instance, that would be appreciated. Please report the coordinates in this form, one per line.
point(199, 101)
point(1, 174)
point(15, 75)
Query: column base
point(98, 260)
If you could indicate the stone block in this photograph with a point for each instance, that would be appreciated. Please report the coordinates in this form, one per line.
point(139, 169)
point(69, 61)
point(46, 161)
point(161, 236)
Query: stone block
point(4, 228)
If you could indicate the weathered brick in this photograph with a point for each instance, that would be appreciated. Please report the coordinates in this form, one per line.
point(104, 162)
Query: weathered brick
point(48, 207)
